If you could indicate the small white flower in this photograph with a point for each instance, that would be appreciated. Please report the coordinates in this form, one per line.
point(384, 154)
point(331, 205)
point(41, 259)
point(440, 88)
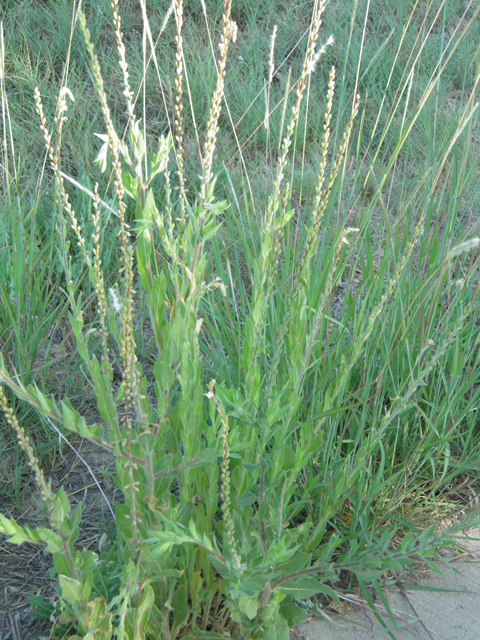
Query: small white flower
point(346, 232)
point(209, 394)
point(117, 305)
point(313, 62)
point(233, 30)
point(62, 102)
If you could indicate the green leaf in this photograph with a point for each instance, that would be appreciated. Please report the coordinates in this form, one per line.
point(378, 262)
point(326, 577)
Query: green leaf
point(130, 184)
point(157, 304)
point(102, 156)
point(204, 635)
point(247, 499)
point(100, 619)
point(77, 326)
point(433, 566)
point(293, 613)
point(305, 587)
point(122, 515)
point(368, 575)
point(181, 610)
point(371, 562)
point(46, 405)
point(210, 232)
point(72, 590)
point(160, 159)
point(179, 330)
point(277, 630)
point(20, 534)
point(297, 562)
point(61, 563)
point(169, 573)
point(248, 605)
point(143, 611)
point(40, 609)
point(266, 246)
point(51, 539)
point(419, 587)
point(11, 528)
point(61, 509)
point(73, 421)
point(164, 373)
point(208, 456)
point(392, 564)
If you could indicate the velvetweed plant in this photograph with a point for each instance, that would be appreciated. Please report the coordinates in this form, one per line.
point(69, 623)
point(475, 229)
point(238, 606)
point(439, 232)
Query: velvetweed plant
point(220, 533)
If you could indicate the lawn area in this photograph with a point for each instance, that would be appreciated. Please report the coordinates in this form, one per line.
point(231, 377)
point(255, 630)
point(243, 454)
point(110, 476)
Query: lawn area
point(239, 278)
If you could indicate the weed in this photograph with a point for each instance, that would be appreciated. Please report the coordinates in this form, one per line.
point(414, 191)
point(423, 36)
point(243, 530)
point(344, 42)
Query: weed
point(342, 339)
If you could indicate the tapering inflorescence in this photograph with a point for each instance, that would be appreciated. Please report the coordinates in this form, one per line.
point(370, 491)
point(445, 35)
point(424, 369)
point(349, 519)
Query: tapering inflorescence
point(179, 125)
point(225, 479)
point(308, 67)
point(54, 156)
point(323, 192)
point(271, 69)
point(279, 237)
point(24, 441)
point(229, 34)
point(272, 233)
point(322, 196)
point(205, 215)
point(130, 375)
point(318, 209)
point(122, 60)
point(100, 283)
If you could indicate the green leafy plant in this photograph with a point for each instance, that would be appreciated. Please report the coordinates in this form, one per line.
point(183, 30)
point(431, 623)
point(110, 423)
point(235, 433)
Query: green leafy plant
point(246, 495)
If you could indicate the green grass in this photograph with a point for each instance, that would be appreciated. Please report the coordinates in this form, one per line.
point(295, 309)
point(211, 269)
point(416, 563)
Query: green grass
point(367, 342)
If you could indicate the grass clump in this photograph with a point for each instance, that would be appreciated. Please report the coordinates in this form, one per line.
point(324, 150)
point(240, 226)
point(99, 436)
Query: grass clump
point(308, 361)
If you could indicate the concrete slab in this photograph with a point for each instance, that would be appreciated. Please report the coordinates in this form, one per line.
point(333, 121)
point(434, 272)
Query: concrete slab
point(450, 614)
